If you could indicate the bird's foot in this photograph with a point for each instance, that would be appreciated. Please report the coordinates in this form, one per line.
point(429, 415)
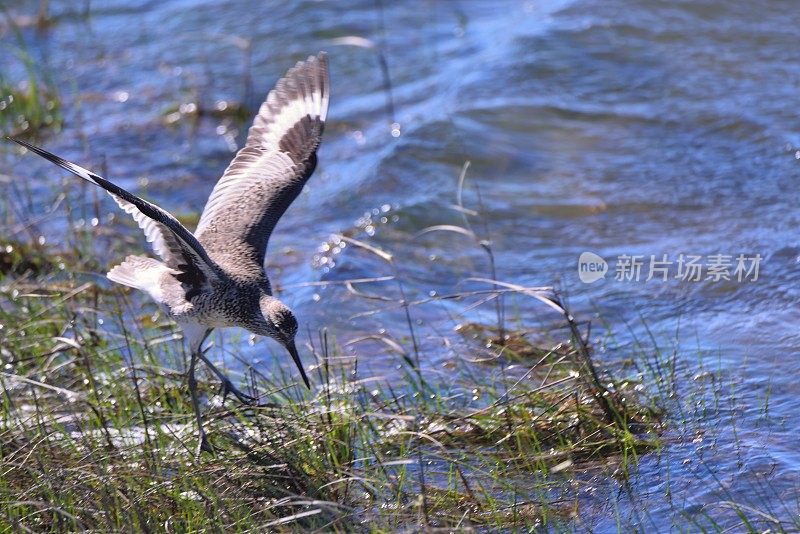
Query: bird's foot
point(228, 387)
point(203, 445)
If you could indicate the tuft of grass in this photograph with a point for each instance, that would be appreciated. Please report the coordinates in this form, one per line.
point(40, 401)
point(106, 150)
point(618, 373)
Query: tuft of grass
point(28, 107)
point(32, 104)
point(26, 258)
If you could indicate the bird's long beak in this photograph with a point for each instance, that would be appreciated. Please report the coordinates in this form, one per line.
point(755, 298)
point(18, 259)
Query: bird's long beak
point(296, 357)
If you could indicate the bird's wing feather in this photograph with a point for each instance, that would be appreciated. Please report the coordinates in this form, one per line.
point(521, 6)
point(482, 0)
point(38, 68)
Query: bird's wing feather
point(269, 172)
point(179, 249)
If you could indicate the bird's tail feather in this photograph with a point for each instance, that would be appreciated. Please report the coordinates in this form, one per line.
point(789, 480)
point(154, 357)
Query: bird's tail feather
point(140, 273)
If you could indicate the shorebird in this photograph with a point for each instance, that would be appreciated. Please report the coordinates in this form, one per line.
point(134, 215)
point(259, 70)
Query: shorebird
point(215, 277)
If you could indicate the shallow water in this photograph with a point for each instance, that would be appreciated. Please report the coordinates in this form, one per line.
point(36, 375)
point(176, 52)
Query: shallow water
point(616, 127)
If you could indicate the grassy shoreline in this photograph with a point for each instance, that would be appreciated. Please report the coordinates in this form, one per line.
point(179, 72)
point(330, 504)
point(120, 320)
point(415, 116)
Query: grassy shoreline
point(96, 430)
point(96, 427)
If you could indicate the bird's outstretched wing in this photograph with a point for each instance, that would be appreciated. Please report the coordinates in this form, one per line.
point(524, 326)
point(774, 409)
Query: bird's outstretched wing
point(176, 246)
point(269, 172)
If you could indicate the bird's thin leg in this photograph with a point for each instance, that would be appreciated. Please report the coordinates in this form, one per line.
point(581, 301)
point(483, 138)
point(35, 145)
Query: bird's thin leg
point(203, 444)
point(227, 385)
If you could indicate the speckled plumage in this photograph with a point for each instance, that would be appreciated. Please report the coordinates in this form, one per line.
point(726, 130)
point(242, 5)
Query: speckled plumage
point(215, 277)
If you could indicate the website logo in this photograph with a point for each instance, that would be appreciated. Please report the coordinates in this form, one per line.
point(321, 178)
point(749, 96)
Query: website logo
point(591, 267)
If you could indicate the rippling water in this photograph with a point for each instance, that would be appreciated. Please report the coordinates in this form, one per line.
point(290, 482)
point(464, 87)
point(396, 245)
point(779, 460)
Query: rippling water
point(632, 127)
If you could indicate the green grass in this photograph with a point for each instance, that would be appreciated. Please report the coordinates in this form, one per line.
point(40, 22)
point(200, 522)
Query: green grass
point(96, 429)
point(31, 104)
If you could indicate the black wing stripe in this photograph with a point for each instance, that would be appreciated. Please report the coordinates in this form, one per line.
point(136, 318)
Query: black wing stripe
point(191, 245)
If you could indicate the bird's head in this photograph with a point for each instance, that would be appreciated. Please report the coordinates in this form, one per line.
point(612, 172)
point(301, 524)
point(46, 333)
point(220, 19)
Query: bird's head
point(280, 324)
